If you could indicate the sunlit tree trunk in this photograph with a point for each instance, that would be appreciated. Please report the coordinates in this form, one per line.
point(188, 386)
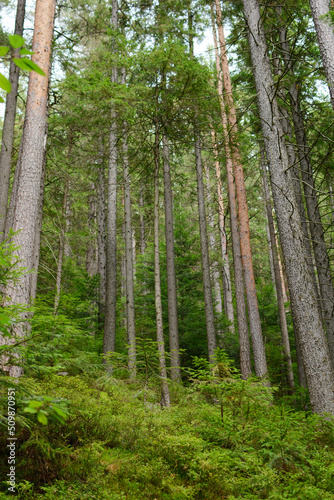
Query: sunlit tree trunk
point(9, 123)
point(170, 258)
point(245, 360)
point(109, 336)
point(165, 397)
point(307, 320)
point(259, 353)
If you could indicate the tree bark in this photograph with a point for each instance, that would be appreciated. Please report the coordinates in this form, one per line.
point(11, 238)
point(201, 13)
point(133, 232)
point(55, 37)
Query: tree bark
point(259, 353)
point(278, 281)
point(325, 36)
point(9, 123)
point(227, 285)
point(244, 345)
point(209, 314)
point(309, 329)
point(165, 397)
point(130, 301)
point(109, 336)
point(170, 258)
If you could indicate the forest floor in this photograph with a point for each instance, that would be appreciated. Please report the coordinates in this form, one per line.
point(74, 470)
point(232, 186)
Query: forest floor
point(109, 439)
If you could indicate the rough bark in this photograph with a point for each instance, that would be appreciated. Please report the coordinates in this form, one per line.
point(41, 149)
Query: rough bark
point(212, 245)
point(244, 345)
point(32, 157)
point(325, 36)
point(170, 258)
point(109, 336)
point(130, 301)
point(9, 123)
point(208, 303)
point(278, 281)
point(307, 320)
point(165, 397)
point(227, 285)
point(259, 353)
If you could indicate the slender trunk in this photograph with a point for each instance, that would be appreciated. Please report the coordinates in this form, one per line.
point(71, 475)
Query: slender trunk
point(209, 315)
point(278, 281)
point(212, 245)
point(271, 262)
point(165, 397)
point(142, 222)
point(31, 164)
point(130, 302)
point(170, 258)
point(259, 353)
point(227, 286)
point(325, 36)
point(61, 245)
point(101, 236)
point(245, 360)
point(307, 320)
point(91, 246)
point(9, 123)
point(109, 336)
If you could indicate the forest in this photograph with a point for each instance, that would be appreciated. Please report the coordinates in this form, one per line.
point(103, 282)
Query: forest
point(166, 250)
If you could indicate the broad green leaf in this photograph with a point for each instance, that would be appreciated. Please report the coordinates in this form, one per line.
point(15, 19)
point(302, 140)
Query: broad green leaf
point(1, 99)
point(60, 412)
point(28, 65)
point(5, 83)
point(30, 410)
point(3, 50)
point(42, 418)
point(16, 41)
point(26, 52)
point(35, 404)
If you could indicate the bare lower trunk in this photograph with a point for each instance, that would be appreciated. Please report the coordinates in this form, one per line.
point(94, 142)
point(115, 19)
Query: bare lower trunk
point(130, 303)
point(209, 315)
point(101, 236)
point(227, 285)
point(278, 282)
point(9, 123)
point(245, 360)
point(325, 36)
point(212, 245)
point(109, 336)
point(165, 397)
point(259, 353)
point(32, 158)
point(171, 278)
point(307, 320)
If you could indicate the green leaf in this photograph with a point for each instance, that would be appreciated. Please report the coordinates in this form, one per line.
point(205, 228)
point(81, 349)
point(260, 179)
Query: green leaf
point(16, 41)
point(1, 99)
point(35, 404)
point(42, 418)
point(30, 410)
point(26, 52)
point(5, 83)
point(28, 65)
point(3, 50)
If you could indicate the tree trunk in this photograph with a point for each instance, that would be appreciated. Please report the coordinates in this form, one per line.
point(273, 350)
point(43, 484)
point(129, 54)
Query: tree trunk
point(33, 150)
point(101, 236)
point(259, 353)
point(278, 281)
point(61, 244)
point(307, 320)
point(170, 258)
point(227, 286)
point(325, 36)
point(212, 245)
point(9, 123)
point(142, 222)
point(245, 360)
point(209, 315)
point(130, 301)
point(165, 397)
point(109, 336)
